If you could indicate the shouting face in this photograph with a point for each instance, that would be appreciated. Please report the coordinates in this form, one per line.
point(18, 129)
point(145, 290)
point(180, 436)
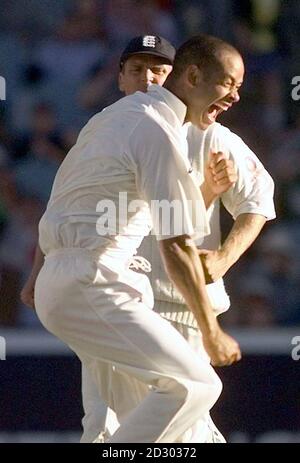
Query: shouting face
point(214, 90)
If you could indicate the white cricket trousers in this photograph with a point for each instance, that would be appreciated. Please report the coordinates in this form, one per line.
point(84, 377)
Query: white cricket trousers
point(127, 392)
point(82, 302)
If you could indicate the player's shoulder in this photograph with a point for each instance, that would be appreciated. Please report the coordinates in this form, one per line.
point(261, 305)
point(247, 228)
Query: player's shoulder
point(137, 102)
point(243, 156)
point(223, 134)
point(158, 119)
point(216, 137)
point(137, 105)
point(121, 116)
point(224, 137)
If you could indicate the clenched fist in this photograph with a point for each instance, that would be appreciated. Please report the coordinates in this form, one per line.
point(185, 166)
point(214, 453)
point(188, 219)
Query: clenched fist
point(219, 173)
point(222, 348)
point(214, 263)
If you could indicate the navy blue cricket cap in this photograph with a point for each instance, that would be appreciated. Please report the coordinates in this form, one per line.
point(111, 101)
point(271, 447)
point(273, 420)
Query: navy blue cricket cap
point(151, 45)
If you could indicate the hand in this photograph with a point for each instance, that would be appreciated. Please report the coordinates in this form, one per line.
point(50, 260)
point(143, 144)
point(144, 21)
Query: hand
point(222, 348)
point(219, 173)
point(214, 264)
point(27, 294)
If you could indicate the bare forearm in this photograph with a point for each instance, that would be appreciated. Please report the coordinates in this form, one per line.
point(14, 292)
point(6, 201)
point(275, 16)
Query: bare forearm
point(244, 231)
point(185, 270)
point(27, 292)
point(37, 263)
point(208, 196)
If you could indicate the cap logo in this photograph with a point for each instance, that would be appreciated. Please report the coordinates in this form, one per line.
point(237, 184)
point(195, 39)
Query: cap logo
point(149, 41)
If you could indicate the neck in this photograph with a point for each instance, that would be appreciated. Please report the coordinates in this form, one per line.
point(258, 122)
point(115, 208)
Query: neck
point(174, 86)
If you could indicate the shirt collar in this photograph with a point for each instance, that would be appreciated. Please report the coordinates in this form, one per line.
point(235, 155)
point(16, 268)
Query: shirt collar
point(161, 93)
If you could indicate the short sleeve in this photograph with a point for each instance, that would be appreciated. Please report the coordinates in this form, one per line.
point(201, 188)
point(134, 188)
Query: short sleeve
point(254, 189)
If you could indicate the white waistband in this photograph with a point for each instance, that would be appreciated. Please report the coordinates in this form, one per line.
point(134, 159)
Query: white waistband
point(134, 263)
point(74, 251)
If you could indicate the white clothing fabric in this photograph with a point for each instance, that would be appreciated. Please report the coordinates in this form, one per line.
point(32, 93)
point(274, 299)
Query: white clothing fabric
point(80, 300)
point(97, 415)
point(129, 393)
point(204, 430)
point(136, 147)
point(253, 193)
point(254, 190)
point(86, 294)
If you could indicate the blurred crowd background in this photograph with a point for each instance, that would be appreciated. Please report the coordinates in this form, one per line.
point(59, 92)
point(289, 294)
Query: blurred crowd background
point(60, 62)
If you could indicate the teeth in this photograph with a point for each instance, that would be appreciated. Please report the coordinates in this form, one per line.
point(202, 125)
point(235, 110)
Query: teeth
point(212, 115)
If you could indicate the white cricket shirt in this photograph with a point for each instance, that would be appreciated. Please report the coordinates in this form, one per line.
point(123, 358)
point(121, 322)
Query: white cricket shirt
point(252, 193)
point(136, 147)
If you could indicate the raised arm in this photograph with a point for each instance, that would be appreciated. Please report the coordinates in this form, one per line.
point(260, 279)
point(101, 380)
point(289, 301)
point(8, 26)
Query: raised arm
point(249, 201)
point(220, 175)
point(181, 261)
point(178, 251)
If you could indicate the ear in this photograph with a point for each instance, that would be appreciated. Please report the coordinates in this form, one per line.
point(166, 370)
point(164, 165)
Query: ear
point(194, 75)
point(120, 81)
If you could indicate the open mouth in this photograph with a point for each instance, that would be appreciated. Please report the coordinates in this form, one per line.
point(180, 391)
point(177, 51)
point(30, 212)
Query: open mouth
point(214, 111)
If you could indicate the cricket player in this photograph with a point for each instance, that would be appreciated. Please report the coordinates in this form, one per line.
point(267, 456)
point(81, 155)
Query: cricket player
point(250, 202)
point(85, 292)
point(146, 60)
point(134, 75)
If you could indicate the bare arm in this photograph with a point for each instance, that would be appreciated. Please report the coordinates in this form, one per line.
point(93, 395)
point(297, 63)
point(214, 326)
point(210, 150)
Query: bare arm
point(208, 196)
point(27, 293)
point(245, 230)
point(185, 270)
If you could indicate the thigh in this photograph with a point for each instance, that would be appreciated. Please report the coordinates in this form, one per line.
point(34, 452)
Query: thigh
point(194, 338)
point(108, 321)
